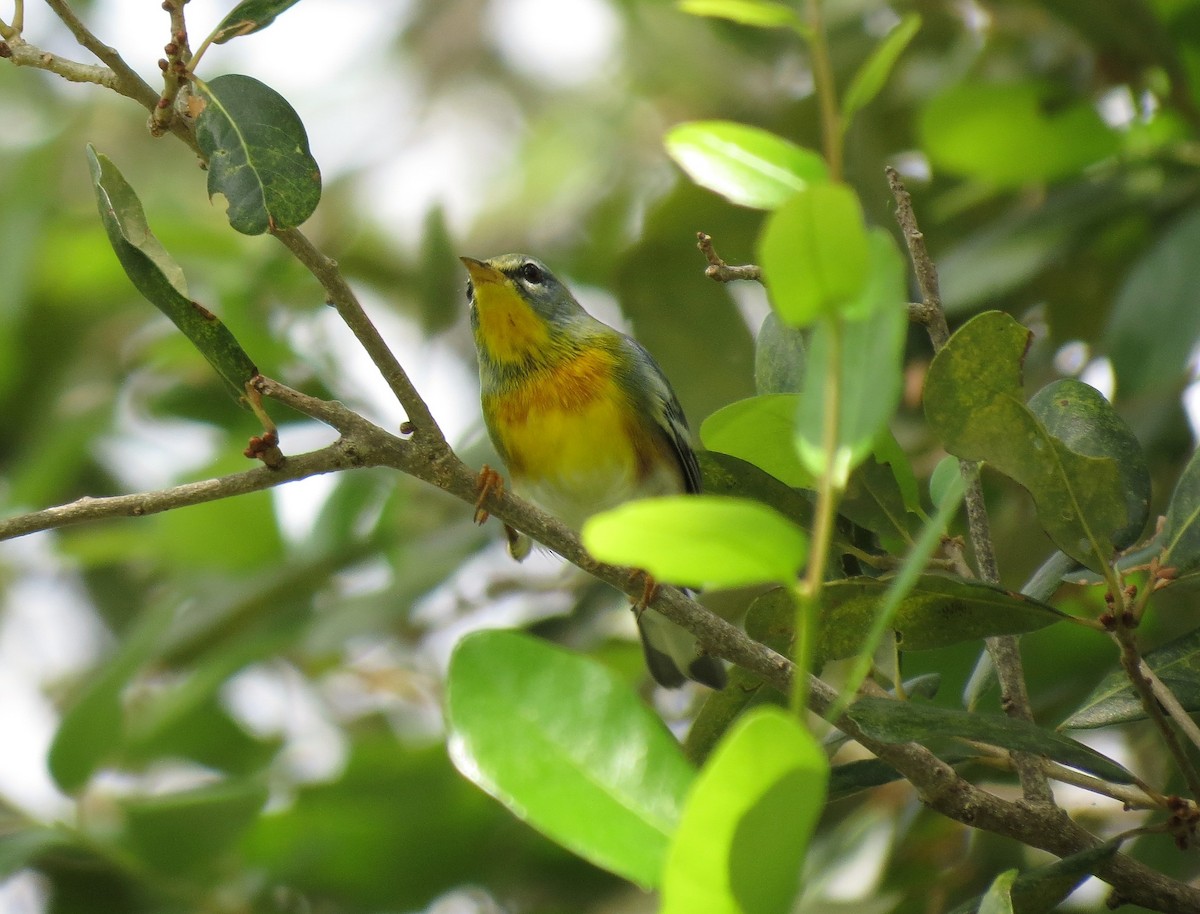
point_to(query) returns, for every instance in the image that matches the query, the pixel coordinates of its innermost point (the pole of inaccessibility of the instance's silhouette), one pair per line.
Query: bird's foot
(490, 483)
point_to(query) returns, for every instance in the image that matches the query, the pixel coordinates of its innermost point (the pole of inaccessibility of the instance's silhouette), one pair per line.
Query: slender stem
(342, 297)
(831, 118)
(1170, 703)
(1136, 669)
(829, 488)
(131, 84)
(23, 54)
(1004, 651)
(18, 22)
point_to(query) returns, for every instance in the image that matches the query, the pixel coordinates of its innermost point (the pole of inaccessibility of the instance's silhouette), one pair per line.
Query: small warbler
(584, 420)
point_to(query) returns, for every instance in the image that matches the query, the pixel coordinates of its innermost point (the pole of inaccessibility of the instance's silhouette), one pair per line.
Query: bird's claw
(490, 483)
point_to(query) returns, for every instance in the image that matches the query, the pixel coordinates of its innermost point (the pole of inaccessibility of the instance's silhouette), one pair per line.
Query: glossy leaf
(814, 253)
(92, 728)
(699, 540)
(906, 721)
(873, 74)
(248, 17)
(1114, 700)
(937, 612)
(154, 274)
(1078, 415)
(871, 347)
(258, 156)
(974, 402)
(180, 832)
(1181, 534)
(746, 165)
(748, 820)
(764, 14)
(1154, 324)
(762, 431)
(568, 748)
(1009, 136)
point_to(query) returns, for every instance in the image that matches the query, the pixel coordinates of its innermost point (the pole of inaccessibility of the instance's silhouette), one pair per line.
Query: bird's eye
(531, 274)
(470, 290)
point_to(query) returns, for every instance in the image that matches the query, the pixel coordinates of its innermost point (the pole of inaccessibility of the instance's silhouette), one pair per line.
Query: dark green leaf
(154, 274)
(248, 17)
(746, 165)
(873, 74)
(724, 474)
(974, 402)
(881, 495)
(21, 847)
(1078, 415)
(780, 354)
(568, 748)
(939, 611)
(1114, 700)
(748, 819)
(258, 155)
(905, 721)
(1181, 535)
(1041, 890)
(179, 832)
(1010, 136)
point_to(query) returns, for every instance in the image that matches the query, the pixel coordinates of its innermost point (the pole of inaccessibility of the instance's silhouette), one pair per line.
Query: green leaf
(760, 430)
(248, 17)
(974, 403)
(91, 729)
(258, 155)
(1181, 534)
(1013, 135)
(937, 612)
(905, 721)
(815, 254)
(871, 365)
(998, 898)
(881, 495)
(748, 820)
(699, 540)
(762, 14)
(1078, 415)
(724, 474)
(746, 165)
(568, 748)
(183, 832)
(873, 74)
(1160, 292)
(154, 274)
(780, 354)
(21, 847)
(1114, 701)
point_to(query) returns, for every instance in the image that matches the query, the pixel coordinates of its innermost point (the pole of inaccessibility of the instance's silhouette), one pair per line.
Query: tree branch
(23, 54)
(128, 82)
(1004, 650)
(719, 270)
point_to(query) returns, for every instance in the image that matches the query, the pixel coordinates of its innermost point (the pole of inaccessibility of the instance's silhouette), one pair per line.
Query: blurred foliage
(251, 718)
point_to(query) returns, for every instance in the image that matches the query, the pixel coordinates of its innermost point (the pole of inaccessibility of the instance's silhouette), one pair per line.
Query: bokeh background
(288, 647)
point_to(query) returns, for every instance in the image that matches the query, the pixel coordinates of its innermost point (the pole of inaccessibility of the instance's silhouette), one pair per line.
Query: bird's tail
(673, 654)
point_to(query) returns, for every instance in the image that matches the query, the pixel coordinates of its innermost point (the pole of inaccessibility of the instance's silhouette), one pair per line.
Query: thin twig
(1135, 670)
(1004, 650)
(719, 270)
(23, 54)
(1170, 703)
(129, 82)
(174, 67)
(342, 297)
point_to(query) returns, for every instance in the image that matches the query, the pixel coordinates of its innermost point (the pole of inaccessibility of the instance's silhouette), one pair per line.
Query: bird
(584, 419)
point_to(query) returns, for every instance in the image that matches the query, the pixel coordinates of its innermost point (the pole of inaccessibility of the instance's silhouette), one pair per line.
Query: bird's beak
(483, 274)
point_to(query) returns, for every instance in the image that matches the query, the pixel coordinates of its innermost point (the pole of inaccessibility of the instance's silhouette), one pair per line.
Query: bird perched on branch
(584, 420)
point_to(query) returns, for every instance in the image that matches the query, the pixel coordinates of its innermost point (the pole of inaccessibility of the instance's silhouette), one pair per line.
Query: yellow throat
(508, 328)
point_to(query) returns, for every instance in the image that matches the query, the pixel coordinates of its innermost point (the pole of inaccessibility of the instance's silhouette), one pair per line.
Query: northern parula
(584, 420)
